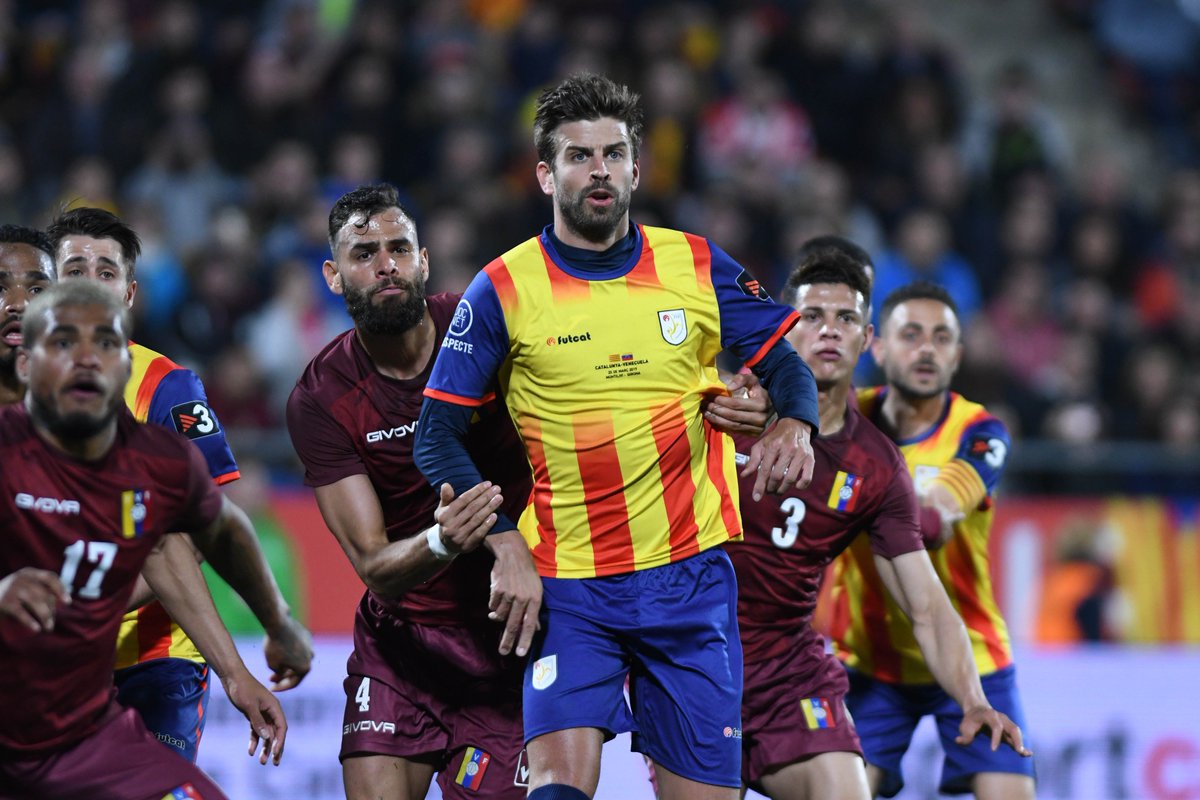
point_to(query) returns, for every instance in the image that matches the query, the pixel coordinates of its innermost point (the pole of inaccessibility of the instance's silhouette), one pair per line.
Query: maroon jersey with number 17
(860, 483)
(93, 523)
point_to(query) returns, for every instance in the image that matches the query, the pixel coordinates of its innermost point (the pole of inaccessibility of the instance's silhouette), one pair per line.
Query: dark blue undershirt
(440, 449)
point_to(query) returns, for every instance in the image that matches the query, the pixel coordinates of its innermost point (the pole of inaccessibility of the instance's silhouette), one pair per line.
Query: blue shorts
(886, 715)
(672, 630)
(171, 695)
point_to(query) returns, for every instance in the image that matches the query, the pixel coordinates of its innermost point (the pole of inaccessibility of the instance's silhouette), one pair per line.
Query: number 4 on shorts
(363, 695)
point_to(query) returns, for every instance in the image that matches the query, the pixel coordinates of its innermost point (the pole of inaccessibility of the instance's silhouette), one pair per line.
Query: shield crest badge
(673, 324)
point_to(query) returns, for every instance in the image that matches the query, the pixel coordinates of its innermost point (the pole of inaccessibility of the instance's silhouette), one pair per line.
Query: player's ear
(868, 338)
(637, 173)
(545, 176)
(22, 365)
(333, 278)
(425, 263)
(130, 293)
(877, 351)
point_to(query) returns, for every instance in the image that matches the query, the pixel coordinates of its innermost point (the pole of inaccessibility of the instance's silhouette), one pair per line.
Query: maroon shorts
(121, 760)
(437, 694)
(793, 709)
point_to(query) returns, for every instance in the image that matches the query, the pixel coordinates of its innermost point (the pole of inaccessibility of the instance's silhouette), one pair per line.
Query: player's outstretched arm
(746, 409)
(352, 512)
(232, 548)
(175, 578)
(944, 643)
(516, 592)
(31, 597)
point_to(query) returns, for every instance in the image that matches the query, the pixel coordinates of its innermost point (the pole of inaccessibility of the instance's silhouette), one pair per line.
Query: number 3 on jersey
(794, 508)
(101, 554)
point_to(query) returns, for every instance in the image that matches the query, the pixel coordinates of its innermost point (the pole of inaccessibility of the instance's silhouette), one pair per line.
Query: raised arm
(944, 643)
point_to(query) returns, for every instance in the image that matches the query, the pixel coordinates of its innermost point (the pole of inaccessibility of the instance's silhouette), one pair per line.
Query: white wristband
(433, 537)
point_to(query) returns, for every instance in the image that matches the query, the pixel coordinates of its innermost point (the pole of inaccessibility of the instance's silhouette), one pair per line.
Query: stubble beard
(910, 392)
(76, 425)
(395, 315)
(594, 224)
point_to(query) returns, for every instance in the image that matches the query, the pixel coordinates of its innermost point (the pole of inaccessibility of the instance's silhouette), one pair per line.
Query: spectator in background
(922, 251)
(1021, 318)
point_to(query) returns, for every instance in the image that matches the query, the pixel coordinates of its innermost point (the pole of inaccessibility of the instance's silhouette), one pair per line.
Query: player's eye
(36, 289)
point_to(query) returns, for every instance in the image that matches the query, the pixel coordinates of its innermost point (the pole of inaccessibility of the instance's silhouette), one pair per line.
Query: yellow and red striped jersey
(965, 451)
(161, 392)
(604, 374)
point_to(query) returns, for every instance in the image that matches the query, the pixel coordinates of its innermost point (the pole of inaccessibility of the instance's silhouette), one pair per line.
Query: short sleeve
(474, 348)
(751, 322)
(203, 503)
(181, 404)
(896, 527)
(985, 446)
(324, 447)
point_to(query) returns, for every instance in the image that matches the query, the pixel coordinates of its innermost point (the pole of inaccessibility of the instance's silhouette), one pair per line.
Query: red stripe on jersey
(564, 288)
(885, 659)
(228, 477)
(153, 632)
(544, 550)
(675, 469)
(783, 328)
(965, 580)
(702, 260)
(604, 494)
(644, 275)
(716, 473)
(1172, 592)
(159, 368)
(456, 399)
(502, 282)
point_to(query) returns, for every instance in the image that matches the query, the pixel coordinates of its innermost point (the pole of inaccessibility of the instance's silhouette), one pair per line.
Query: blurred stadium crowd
(223, 131)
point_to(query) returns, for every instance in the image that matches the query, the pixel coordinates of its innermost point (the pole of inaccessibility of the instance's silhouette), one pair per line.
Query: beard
(76, 425)
(594, 224)
(394, 315)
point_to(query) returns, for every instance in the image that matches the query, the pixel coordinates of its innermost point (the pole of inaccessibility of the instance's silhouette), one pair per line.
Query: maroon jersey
(94, 523)
(345, 418)
(860, 482)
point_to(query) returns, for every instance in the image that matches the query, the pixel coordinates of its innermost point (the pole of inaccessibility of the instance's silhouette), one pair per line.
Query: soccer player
(797, 739)
(89, 500)
(427, 689)
(602, 335)
(955, 451)
(26, 269)
(159, 670)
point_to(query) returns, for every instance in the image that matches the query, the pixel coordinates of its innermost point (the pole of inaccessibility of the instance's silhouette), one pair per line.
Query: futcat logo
(570, 338)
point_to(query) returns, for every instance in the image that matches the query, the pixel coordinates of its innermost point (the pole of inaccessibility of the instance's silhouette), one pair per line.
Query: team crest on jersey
(844, 494)
(134, 512)
(673, 324)
(545, 671)
(194, 419)
(185, 792)
(750, 286)
(474, 764)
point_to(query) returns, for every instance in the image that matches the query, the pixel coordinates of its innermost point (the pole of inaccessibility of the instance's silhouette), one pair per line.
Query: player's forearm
(234, 552)
(789, 383)
(400, 567)
(174, 577)
(142, 594)
(946, 647)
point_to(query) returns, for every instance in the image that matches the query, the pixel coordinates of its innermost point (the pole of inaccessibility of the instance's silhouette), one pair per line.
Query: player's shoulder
(869, 399)
(869, 443)
(528, 252)
(442, 307)
(968, 415)
(15, 425)
(155, 443)
(337, 363)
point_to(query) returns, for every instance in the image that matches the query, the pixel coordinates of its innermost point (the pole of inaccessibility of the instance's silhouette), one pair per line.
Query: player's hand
(940, 499)
(263, 711)
(997, 724)
(31, 597)
(466, 520)
(516, 596)
(746, 409)
(782, 459)
(289, 654)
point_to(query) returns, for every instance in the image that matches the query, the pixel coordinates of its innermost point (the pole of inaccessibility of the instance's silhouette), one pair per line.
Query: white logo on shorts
(545, 670)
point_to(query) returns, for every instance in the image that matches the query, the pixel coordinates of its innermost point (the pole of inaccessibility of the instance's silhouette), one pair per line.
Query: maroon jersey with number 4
(93, 523)
(345, 418)
(860, 483)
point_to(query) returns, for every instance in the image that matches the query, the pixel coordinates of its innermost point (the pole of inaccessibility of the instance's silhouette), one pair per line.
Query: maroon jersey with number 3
(93, 523)
(860, 483)
(346, 418)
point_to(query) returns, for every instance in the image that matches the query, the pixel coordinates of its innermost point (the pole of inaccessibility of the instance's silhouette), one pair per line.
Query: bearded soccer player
(798, 742)
(26, 270)
(427, 689)
(159, 669)
(955, 451)
(89, 499)
(602, 337)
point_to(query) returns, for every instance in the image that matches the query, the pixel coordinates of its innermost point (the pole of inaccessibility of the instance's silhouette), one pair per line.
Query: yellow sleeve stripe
(963, 482)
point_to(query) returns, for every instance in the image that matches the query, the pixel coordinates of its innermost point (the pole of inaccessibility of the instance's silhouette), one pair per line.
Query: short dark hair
(71, 293)
(20, 234)
(917, 290)
(99, 224)
(365, 200)
(585, 96)
(830, 259)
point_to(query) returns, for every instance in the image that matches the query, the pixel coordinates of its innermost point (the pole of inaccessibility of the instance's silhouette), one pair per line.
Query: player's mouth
(390, 289)
(600, 197)
(925, 370)
(10, 334)
(83, 388)
(828, 354)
